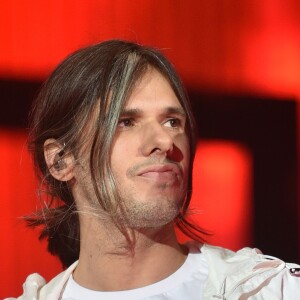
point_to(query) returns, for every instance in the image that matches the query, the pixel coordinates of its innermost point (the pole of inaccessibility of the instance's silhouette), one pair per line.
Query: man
(113, 141)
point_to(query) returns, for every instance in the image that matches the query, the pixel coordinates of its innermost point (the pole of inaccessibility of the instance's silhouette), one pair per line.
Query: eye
(173, 123)
(123, 123)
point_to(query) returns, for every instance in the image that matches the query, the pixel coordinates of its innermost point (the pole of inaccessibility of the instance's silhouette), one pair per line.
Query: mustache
(132, 171)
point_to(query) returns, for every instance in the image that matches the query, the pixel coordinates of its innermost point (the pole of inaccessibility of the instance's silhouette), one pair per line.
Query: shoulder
(31, 287)
(35, 286)
(248, 272)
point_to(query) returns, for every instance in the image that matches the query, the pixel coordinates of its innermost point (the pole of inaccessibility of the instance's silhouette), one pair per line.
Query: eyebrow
(131, 112)
(176, 110)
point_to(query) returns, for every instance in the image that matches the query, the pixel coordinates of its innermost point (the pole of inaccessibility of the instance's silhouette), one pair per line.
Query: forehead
(152, 91)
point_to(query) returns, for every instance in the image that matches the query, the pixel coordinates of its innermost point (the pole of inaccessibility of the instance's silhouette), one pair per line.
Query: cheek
(182, 142)
(122, 152)
(117, 156)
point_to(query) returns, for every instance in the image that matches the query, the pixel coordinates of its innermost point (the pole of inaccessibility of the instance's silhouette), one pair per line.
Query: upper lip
(160, 168)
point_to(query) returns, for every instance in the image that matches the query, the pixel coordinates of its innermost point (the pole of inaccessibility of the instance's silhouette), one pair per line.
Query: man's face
(150, 153)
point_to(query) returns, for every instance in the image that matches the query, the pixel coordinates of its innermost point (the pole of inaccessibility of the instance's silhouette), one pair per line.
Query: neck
(153, 255)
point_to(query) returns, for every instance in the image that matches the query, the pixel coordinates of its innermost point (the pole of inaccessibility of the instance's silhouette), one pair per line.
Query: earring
(59, 163)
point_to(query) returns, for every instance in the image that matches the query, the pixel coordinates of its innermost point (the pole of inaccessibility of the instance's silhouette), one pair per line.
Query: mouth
(161, 172)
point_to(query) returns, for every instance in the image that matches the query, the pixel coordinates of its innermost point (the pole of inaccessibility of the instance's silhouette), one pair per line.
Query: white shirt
(185, 284)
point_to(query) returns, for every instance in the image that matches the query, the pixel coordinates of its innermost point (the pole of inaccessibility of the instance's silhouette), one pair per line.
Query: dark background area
(267, 127)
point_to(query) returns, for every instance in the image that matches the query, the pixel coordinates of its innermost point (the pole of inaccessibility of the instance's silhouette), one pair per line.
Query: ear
(60, 163)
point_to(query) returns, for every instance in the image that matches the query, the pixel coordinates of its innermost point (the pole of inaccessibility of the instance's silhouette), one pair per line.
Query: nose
(156, 140)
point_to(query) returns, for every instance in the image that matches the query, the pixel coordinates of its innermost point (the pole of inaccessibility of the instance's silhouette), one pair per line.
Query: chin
(154, 216)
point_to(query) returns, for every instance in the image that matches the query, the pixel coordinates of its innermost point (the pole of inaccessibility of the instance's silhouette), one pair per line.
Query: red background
(250, 46)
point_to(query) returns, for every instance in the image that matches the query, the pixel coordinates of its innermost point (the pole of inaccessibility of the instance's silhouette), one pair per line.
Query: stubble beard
(154, 212)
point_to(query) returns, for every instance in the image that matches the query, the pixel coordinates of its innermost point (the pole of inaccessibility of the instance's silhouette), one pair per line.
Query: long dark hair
(98, 78)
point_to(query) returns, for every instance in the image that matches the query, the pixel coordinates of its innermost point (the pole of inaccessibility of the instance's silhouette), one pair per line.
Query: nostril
(156, 151)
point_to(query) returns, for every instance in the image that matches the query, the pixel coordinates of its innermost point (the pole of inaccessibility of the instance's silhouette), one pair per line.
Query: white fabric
(250, 275)
(185, 284)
